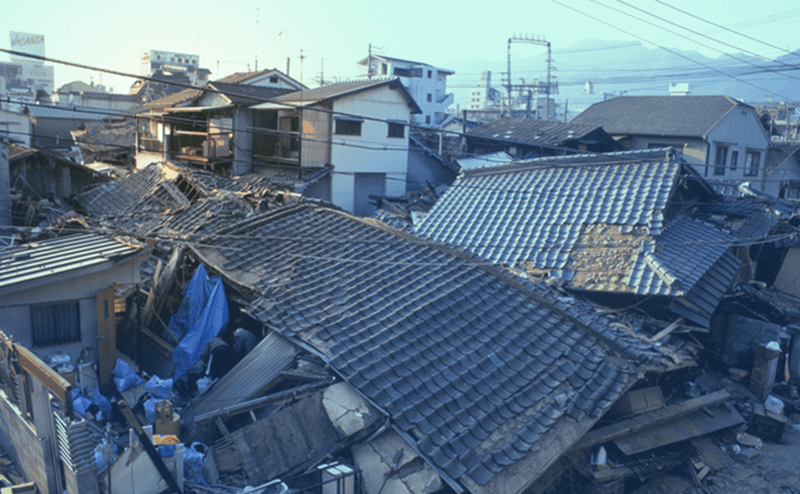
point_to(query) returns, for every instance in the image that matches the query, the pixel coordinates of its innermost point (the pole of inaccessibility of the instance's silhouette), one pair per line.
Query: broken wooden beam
(664, 332)
(649, 419)
(167, 278)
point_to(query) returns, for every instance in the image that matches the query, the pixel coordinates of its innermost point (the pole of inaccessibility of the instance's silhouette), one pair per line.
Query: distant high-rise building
(426, 84)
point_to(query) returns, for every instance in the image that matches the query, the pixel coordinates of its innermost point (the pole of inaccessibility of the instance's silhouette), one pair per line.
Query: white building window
(734, 160)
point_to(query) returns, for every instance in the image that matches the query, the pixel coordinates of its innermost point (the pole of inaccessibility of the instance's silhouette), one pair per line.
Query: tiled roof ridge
(634, 157)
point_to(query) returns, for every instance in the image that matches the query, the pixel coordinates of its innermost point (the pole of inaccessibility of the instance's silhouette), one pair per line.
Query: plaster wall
(15, 307)
(373, 151)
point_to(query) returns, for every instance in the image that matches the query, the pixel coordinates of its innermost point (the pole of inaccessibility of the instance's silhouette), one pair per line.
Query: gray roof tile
(451, 347)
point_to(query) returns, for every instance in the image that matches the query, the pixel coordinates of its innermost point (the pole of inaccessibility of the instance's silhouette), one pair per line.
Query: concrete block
(749, 454)
(347, 410)
(411, 476)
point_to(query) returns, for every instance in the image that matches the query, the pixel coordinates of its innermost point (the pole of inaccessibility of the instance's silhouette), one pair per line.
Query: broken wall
(739, 337)
(32, 454)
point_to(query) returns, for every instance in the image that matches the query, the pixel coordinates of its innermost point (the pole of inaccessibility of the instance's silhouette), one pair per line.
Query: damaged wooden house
(457, 375)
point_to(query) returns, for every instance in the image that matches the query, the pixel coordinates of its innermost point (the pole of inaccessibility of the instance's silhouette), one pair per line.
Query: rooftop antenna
(258, 11)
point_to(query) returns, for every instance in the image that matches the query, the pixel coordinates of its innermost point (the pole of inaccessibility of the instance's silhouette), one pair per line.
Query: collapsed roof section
(173, 201)
(488, 376)
(612, 222)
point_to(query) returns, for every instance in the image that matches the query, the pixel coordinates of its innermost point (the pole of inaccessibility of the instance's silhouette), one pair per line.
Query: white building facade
(426, 84)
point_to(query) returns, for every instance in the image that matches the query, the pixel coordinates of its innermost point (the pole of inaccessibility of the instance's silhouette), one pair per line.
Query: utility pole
(302, 57)
(534, 41)
(258, 11)
(369, 62)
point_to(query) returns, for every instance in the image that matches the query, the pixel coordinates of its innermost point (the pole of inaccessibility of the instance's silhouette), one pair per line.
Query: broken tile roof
(537, 132)
(596, 221)
(49, 257)
(107, 137)
(686, 116)
(533, 210)
(475, 366)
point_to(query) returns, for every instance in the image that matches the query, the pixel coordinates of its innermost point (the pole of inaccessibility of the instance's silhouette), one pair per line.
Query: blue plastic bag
(193, 464)
(150, 409)
(124, 377)
(101, 401)
(160, 388)
(81, 404)
(167, 450)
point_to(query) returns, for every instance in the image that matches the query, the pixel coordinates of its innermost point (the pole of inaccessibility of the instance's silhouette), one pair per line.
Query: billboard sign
(32, 44)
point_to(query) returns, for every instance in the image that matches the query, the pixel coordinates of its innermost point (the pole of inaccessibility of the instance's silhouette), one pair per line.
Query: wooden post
(106, 333)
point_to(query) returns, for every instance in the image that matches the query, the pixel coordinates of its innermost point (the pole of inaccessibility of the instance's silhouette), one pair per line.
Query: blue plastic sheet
(124, 377)
(202, 315)
(160, 388)
(193, 464)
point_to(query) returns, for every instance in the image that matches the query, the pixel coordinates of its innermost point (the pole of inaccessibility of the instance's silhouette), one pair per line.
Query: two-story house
(358, 128)
(426, 84)
(722, 137)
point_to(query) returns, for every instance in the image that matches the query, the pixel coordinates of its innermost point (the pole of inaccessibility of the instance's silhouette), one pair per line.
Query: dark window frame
(720, 160)
(345, 127)
(396, 130)
(734, 160)
(56, 323)
(749, 169)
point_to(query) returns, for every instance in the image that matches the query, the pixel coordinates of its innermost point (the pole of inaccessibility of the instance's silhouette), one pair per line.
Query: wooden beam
(167, 278)
(52, 380)
(664, 332)
(649, 419)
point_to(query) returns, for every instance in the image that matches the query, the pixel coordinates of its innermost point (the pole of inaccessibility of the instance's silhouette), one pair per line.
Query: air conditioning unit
(338, 478)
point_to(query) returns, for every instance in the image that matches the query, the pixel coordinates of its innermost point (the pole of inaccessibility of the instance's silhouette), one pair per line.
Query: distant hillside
(632, 68)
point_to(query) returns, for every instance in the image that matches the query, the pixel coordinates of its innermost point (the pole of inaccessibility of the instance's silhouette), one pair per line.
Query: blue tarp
(202, 315)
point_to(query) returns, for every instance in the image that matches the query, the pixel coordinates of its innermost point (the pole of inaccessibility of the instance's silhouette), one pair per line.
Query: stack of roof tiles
(472, 364)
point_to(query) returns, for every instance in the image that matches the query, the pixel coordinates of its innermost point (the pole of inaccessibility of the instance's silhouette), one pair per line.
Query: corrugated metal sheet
(250, 376)
(485, 160)
(59, 255)
(67, 112)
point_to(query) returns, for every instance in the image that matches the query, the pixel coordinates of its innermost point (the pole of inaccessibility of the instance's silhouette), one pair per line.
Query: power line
(704, 36)
(659, 46)
(731, 30)
(692, 40)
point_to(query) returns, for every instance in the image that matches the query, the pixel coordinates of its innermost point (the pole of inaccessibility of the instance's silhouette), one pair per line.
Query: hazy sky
(114, 34)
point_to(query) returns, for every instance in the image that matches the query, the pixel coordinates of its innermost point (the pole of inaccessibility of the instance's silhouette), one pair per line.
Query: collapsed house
(395, 363)
(486, 377)
(616, 223)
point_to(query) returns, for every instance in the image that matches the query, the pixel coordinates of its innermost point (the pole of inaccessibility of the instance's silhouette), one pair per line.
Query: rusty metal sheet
(696, 424)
